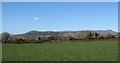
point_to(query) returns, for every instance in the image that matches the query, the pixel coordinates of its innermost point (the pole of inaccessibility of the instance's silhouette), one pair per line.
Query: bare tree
(96, 35)
(5, 37)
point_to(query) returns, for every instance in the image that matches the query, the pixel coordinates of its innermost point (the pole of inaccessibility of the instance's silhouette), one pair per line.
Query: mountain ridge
(47, 33)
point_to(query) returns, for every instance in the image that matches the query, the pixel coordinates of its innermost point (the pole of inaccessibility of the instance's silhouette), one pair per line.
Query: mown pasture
(106, 50)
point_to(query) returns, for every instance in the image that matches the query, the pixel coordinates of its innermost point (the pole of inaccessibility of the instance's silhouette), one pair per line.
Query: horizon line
(63, 30)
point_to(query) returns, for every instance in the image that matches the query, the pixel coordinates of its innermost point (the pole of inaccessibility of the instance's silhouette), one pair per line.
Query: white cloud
(36, 19)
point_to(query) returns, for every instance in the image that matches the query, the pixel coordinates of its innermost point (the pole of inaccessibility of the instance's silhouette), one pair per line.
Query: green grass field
(62, 51)
(0, 52)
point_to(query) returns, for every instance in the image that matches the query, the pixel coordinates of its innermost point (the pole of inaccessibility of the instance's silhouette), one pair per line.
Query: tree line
(7, 38)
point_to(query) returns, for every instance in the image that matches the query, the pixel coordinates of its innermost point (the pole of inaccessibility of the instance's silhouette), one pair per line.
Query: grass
(62, 51)
(0, 52)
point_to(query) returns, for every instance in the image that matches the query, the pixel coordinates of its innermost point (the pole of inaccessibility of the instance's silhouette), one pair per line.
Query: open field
(62, 51)
(0, 52)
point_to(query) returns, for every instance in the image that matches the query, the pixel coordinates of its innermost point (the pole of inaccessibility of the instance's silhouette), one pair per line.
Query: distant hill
(34, 33)
(106, 32)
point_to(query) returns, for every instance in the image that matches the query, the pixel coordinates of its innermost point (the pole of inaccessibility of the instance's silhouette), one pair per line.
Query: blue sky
(0, 17)
(59, 16)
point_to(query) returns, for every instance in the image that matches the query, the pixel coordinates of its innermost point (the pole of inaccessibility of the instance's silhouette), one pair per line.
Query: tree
(110, 36)
(5, 37)
(118, 34)
(96, 35)
(20, 40)
(90, 35)
(100, 37)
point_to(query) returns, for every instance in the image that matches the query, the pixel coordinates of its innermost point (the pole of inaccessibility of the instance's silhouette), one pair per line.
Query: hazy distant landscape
(35, 36)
